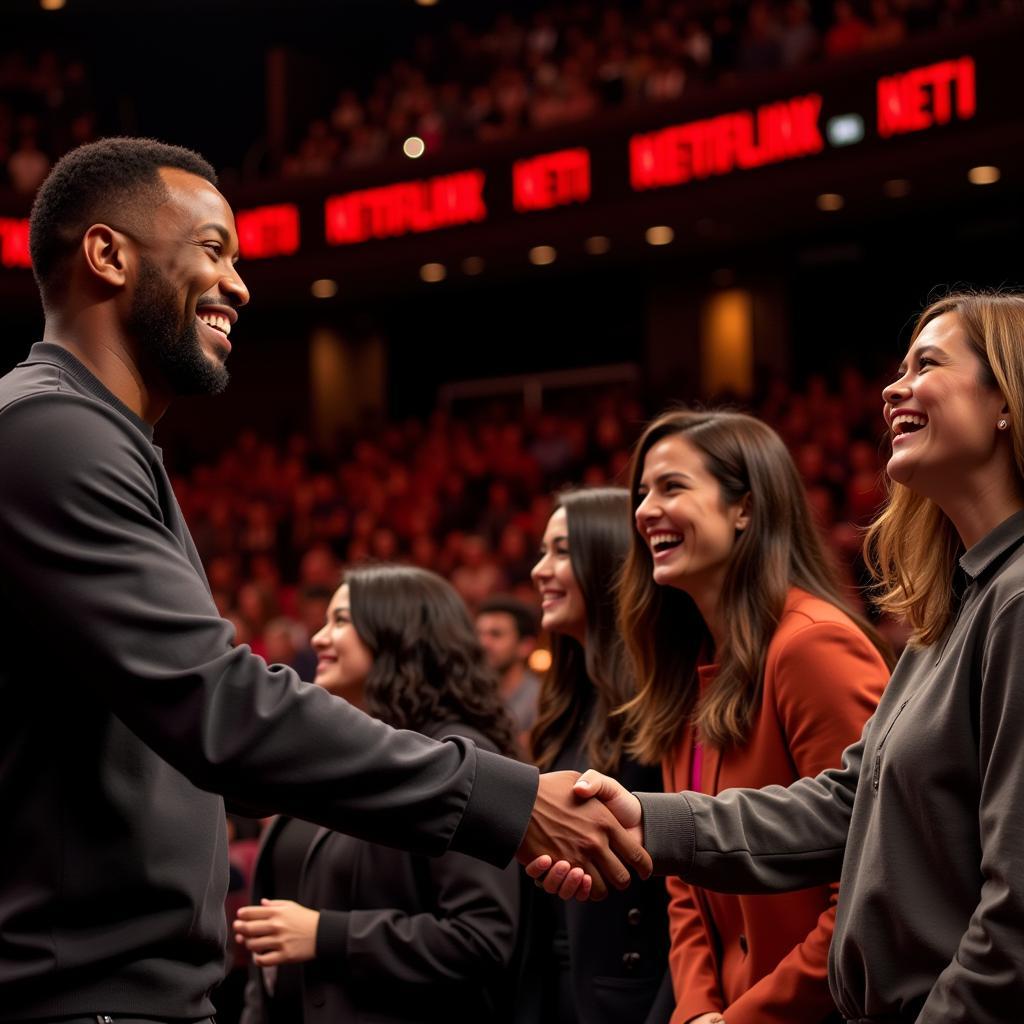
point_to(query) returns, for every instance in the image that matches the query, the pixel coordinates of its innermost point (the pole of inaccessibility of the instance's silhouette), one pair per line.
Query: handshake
(576, 845)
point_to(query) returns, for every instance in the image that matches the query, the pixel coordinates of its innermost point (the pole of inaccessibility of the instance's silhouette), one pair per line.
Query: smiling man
(125, 704)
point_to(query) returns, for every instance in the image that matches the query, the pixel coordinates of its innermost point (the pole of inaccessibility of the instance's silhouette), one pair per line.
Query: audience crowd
(524, 71)
(468, 496)
(570, 61)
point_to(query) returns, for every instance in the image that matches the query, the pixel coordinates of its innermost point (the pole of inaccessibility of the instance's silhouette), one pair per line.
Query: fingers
(272, 959)
(254, 913)
(626, 843)
(254, 929)
(583, 892)
(623, 804)
(264, 945)
(536, 868)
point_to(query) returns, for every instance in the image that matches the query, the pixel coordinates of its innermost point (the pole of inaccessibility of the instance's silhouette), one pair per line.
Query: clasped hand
(576, 845)
(277, 932)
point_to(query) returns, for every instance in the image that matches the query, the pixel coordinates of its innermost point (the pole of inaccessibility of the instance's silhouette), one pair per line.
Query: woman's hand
(277, 932)
(714, 1017)
(559, 877)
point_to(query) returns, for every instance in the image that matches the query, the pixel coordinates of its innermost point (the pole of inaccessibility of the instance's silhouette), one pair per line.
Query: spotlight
(324, 288)
(830, 202)
(660, 235)
(414, 147)
(983, 175)
(433, 272)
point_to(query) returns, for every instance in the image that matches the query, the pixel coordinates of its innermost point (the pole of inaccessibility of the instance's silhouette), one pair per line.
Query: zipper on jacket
(876, 774)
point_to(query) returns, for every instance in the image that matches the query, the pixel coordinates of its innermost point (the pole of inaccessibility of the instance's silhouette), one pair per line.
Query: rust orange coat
(763, 959)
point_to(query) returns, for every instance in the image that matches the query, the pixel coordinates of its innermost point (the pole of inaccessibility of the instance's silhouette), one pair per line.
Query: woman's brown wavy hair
(665, 633)
(912, 548)
(428, 666)
(591, 681)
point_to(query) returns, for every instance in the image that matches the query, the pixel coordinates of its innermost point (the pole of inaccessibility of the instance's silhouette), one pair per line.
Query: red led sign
(268, 231)
(410, 206)
(720, 145)
(924, 97)
(553, 179)
(14, 243)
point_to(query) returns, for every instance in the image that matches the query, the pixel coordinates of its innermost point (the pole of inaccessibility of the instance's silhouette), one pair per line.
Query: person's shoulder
(803, 610)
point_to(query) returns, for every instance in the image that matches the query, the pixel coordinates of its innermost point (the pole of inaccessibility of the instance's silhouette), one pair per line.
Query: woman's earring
(1002, 424)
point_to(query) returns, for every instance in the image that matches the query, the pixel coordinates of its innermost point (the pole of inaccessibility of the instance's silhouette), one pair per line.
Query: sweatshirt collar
(48, 352)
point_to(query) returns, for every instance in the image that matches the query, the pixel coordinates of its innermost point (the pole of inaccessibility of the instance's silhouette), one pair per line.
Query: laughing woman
(592, 963)
(924, 816)
(363, 932)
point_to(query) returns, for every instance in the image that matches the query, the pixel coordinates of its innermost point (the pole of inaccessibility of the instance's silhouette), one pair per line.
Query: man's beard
(175, 349)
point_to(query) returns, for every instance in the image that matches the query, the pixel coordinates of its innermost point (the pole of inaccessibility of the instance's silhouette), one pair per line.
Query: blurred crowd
(468, 496)
(574, 60)
(46, 108)
(526, 70)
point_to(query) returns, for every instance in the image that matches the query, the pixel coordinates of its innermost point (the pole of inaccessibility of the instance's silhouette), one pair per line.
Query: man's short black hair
(94, 184)
(524, 616)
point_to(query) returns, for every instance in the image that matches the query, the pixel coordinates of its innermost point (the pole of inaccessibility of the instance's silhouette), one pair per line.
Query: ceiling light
(433, 272)
(983, 175)
(830, 202)
(414, 147)
(324, 288)
(542, 255)
(896, 188)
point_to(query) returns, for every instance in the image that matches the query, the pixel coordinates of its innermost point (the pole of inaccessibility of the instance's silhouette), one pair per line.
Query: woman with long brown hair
(924, 816)
(750, 672)
(595, 963)
(357, 931)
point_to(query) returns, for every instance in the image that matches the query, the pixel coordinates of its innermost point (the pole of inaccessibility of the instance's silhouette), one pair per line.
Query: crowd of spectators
(468, 497)
(572, 60)
(46, 108)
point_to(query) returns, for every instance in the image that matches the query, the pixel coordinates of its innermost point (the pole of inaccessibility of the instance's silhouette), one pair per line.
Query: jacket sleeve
(84, 546)
(469, 933)
(986, 975)
(775, 839)
(818, 722)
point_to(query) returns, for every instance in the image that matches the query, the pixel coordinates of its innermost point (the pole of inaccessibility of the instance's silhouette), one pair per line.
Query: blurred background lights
(324, 288)
(896, 188)
(845, 130)
(830, 202)
(542, 255)
(986, 175)
(473, 265)
(540, 661)
(433, 272)
(414, 147)
(597, 245)
(661, 234)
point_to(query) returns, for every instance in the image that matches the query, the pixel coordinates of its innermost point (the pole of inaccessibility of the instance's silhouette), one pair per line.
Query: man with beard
(113, 861)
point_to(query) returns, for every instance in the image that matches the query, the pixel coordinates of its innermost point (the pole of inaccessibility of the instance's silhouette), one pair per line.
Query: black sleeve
(84, 546)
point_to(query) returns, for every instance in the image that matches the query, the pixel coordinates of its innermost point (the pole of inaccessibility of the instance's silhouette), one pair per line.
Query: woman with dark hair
(733, 618)
(596, 963)
(347, 930)
(924, 816)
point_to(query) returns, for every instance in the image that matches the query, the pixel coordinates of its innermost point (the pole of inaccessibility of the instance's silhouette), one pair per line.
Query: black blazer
(402, 938)
(618, 948)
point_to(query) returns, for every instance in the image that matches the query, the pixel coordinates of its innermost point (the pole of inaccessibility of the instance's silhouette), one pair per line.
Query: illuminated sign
(411, 206)
(553, 179)
(923, 97)
(14, 243)
(268, 231)
(719, 145)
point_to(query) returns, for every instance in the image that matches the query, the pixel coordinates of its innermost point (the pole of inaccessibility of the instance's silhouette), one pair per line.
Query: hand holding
(560, 877)
(582, 832)
(277, 932)
(714, 1017)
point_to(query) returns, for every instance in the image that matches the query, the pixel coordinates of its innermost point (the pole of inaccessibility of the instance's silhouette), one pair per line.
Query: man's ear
(743, 518)
(106, 256)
